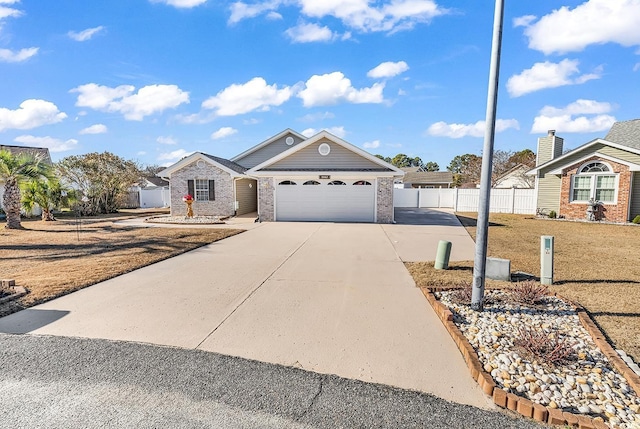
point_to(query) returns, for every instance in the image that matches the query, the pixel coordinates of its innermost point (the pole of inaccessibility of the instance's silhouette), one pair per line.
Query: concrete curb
(521, 405)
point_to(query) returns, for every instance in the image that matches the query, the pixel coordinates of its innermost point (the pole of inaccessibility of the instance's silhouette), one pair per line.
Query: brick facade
(618, 212)
(223, 205)
(384, 208)
(266, 208)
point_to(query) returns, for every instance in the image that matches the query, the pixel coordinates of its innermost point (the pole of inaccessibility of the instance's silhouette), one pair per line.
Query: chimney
(549, 147)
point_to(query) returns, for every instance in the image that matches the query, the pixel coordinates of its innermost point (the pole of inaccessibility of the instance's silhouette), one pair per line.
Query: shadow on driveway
(423, 216)
(30, 319)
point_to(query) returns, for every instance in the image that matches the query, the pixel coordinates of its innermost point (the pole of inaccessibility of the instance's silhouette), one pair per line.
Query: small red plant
(547, 347)
(529, 292)
(187, 198)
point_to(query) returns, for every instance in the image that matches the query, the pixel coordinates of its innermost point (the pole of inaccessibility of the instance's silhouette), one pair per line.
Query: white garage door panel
(338, 203)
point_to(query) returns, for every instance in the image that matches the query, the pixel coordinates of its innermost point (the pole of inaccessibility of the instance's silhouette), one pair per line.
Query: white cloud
(9, 12)
(336, 131)
(30, 114)
(371, 145)
(332, 88)
(548, 75)
(9, 56)
(223, 132)
(319, 116)
(524, 21)
(388, 16)
(241, 10)
(572, 30)
(578, 107)
(568, 124)
(173, 156)
(244, 98)
(181, 4)
(274, 16)
(307, 33)
(94, 129)
(84, 35)
(563, 119)
(134, 106)
(636, 67)
(53, 144)
(166, 140)
(252, 121)
(457, 131)
(388, 69)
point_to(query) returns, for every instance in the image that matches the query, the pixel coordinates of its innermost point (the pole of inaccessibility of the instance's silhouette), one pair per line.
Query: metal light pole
(482, 230)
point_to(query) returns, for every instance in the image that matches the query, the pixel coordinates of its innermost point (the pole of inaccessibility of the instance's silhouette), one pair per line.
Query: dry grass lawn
(55, 258)
(596, 265)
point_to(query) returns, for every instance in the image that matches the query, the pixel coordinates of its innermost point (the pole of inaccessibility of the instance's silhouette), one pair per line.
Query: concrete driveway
(329, 298)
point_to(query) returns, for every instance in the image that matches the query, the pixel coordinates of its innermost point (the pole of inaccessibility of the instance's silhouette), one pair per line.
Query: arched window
(362, 183)
(287, 182)
(336, 182)
(594, 180)
(595, 167)
(311, 182)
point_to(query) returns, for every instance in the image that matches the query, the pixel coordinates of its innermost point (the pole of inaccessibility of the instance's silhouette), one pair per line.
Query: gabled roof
(514, 169)
(224, 164)
(429, 177)
(327, 135)
(267, 142)
(623, 135)
(36, 151)
(626, 133)
(227, 163)
(157, 181)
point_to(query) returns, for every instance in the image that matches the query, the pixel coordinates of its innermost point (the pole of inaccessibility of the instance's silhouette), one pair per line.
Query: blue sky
(155, 80)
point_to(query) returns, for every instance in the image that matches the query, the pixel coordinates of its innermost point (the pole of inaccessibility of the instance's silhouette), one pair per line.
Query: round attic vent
(289, 141)
(200, 163)
(324, 149)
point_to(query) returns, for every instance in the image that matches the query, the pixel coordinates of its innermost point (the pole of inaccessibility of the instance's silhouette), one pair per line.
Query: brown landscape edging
(519, 404)
(18, 291)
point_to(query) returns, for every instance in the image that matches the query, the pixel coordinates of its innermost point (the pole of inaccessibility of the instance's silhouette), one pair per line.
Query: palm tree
(14, 170)
(47, 194)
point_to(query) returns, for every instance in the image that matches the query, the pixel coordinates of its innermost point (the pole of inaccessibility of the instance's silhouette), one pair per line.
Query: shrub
(553, 214)
(529, 292)
(545, 347)
(462, 294)
(636, 219)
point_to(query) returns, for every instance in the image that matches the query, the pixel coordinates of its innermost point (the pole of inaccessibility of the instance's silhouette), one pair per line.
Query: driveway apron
(329, 298)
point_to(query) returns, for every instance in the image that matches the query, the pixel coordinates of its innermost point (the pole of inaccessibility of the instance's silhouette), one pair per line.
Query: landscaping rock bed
(186, 220)
(588, 384)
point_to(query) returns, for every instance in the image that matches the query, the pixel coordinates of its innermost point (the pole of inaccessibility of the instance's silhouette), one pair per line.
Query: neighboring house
(414, 178)
(288, 177)
(516, 177)
(152, 192)
(606, 170)
(36, 151)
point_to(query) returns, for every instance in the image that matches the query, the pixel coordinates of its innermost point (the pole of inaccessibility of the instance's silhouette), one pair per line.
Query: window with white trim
(594, 180)
(202, 190)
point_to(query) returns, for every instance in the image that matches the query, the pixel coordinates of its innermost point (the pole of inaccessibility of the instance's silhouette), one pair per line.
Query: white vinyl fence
(514, 200)
(155, 197)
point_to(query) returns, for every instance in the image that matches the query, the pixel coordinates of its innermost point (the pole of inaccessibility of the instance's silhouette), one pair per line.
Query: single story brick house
(288, 177)
(605, 170)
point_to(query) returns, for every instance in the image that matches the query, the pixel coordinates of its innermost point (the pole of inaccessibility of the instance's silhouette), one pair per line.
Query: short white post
(546, 259)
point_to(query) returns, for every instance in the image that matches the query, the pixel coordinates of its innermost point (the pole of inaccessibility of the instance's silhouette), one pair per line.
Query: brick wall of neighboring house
(265, 199)
(223, 205)
(618, 212)
(384, 207)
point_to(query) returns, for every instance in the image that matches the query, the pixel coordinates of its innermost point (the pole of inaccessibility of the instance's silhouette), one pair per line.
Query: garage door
(337, 200)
